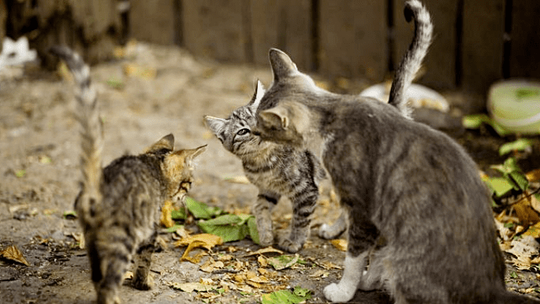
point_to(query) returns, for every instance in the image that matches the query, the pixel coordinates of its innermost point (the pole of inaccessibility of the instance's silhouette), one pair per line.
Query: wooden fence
(476, 41)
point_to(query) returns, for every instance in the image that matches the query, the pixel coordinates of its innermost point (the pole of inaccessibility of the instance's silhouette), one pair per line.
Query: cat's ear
(281, 63)
(275, 118)
(287, 115)
(166, 142)
(257, 96)
(216, 125)
(190, 154)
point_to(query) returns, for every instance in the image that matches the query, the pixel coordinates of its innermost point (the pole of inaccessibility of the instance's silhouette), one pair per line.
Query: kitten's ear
(257, 96)
(277, 117)
(281, 63)
(166, 142)
(216, 125)
(191, 154)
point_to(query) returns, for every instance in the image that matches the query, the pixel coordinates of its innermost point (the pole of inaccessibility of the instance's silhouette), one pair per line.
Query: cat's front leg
(262, 211)
(362, 238)
(352, 274)
(304, 203)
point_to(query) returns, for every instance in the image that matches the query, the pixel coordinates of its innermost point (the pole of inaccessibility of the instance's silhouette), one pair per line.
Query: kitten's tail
(411, 62)
(87, 113)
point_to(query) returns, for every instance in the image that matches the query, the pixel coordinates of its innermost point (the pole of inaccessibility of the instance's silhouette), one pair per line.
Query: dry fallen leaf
(207, 241)
(14, 254)
(238, 179)
(166, 210)
(533, 176)
(269, 249)
(339, 244)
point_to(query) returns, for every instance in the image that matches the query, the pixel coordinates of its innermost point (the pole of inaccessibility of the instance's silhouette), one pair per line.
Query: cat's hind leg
(143, 279)
(329, 232)
(304, 202)
(262, 211)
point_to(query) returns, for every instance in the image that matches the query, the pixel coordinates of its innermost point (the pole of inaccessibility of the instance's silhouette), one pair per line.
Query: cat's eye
(242, 132)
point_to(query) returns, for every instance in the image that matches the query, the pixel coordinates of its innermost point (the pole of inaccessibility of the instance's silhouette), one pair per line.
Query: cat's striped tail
(412, 61)
(87, 113)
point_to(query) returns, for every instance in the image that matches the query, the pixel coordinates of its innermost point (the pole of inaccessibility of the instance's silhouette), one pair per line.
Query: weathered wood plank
(215, 29)
(153, 21)
(440, 63)
(264, 29)
(353, 38)
(524, 55)
(482, 44)
(282, 24)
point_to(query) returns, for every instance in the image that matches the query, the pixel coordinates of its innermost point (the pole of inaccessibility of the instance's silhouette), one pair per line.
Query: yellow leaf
(339, 244)
(269, 249)
(533, 176)
(207, 241)
(166, 219)
(525, 213)
(14, 254)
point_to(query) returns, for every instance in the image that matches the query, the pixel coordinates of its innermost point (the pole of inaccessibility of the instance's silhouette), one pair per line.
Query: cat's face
(235, 132)
(177, 166)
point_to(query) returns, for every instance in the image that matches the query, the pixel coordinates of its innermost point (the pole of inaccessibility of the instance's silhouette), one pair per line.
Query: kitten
(119, 206)
(277, 170)
(415, 202)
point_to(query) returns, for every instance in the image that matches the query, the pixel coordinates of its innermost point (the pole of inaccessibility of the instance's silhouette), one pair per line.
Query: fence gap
(507, 38)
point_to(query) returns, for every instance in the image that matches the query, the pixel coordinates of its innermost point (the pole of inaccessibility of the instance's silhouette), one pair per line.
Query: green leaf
(253, 232)
(70, 215)
(520, 180)
(20, 173)
(518, 145)
(287, 297)
(201, 210)
(229, 227)
(500, 185)
(283, 261)
(178, 214)
(475, 121)
(115, 83)
(173, 228)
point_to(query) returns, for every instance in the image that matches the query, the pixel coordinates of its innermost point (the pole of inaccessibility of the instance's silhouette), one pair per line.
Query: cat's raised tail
(87, 113)
(412, 60)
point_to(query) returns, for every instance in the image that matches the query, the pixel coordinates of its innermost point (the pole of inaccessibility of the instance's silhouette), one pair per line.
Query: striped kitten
(417, 207)
(276, 170)
(119, 206)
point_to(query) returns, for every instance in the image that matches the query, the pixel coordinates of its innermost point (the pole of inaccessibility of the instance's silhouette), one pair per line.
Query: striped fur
(412, 60)
(276, 170)
(119, 206)
(415, 203)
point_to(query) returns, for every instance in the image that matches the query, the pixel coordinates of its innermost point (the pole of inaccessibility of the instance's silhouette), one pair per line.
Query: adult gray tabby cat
(279, 170)
(417, 207)
(119, 206)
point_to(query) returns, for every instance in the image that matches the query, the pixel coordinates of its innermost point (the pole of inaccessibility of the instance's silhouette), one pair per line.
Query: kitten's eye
(242, 132)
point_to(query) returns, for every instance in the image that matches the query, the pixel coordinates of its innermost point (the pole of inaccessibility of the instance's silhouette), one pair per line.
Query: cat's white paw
(336, 293)
(325, 232)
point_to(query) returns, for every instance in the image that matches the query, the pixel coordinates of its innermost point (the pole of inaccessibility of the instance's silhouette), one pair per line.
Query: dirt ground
(38, 168)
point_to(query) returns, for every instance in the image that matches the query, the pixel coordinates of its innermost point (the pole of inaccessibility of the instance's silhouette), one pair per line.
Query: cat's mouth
(181, 194)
